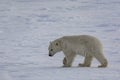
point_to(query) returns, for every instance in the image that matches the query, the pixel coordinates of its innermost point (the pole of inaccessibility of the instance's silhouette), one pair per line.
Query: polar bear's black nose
(50, 55)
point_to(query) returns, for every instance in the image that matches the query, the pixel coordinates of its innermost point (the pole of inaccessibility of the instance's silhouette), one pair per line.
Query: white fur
(85, 45)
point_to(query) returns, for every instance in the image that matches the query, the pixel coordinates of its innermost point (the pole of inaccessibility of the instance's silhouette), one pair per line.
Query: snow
(27, 27)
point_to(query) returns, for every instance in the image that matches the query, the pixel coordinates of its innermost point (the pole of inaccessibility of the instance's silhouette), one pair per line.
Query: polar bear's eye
(56, 44)
(51, 50)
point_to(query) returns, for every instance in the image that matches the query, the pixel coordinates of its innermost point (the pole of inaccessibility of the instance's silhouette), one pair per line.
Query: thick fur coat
(84, 45)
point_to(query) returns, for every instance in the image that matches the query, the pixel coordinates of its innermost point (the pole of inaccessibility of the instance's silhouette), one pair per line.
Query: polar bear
(85, 45)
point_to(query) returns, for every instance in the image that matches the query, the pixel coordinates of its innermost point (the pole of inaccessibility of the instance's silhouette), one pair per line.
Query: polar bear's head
(54, 47)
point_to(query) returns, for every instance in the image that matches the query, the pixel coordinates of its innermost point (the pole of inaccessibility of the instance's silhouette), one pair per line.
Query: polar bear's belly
(80, 51)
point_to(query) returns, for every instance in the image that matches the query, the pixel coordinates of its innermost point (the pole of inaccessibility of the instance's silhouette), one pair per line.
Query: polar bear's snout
(54, 47)
(50, 54)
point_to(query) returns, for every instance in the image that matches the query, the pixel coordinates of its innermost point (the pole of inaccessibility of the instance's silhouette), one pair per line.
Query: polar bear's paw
(64, 61)
(102, 66)
(66, 66)
(83, 65)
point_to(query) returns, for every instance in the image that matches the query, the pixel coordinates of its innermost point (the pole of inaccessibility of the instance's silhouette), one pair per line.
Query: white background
(27, 27)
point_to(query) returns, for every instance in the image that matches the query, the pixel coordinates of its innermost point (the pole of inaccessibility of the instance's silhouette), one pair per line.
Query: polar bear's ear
(50, 42)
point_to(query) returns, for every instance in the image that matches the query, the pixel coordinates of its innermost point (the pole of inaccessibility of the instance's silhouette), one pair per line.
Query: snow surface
(27, 27)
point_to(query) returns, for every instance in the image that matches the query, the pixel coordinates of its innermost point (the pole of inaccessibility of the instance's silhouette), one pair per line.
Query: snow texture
(27, 27)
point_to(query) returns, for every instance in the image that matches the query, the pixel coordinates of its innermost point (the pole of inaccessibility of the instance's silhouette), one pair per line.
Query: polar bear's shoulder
(71, 39)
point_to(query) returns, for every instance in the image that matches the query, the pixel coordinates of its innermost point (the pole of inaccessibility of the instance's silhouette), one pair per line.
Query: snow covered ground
(27, 26)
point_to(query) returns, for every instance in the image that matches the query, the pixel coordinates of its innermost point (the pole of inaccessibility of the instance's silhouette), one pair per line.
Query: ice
(27, 27)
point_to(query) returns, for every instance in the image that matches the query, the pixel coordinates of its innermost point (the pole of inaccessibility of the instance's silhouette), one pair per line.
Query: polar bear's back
(79, 38)
(84, 41)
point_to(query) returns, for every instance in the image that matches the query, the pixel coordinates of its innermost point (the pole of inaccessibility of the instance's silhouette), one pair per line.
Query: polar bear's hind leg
(101, 58)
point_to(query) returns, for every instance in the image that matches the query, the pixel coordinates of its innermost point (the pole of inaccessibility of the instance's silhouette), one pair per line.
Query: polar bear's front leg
(64, 61)
(67, 61)
(87, 61)
(65, 64)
